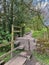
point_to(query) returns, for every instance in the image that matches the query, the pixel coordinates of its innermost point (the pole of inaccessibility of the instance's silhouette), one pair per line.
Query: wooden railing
(1, 45)
(12, 40)
(6, 54)
(10, 43)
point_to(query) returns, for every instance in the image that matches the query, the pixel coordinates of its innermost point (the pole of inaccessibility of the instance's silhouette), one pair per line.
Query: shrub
(27, 30)
(39, 34)
(5, 37)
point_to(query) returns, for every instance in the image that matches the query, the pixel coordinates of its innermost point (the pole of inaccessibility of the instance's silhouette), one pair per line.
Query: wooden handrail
(12, 43)
(1, 45)
(6, 54)
(17, 26)
(17, 31)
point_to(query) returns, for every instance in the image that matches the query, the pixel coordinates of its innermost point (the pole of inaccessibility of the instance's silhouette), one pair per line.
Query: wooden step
(17, 42)
(25, 54)
(17, 61)
(21, 47)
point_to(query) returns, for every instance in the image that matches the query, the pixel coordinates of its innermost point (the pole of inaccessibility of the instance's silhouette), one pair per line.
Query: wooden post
(29, 45)
(20, 32)
(12, 41)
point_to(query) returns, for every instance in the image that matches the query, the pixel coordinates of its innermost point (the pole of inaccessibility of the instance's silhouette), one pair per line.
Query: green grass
(39, 34)
(43, 58)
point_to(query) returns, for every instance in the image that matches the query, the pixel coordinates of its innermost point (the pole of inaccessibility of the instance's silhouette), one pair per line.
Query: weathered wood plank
(15, 42)
(17, 61)
(21, 47)
(4, 55)
(17, 26)
(2, 62)
(25, 54)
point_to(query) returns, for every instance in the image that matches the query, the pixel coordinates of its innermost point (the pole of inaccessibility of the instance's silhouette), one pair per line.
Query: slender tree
(5, 19)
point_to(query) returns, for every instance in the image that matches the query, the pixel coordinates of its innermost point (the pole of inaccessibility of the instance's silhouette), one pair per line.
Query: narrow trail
(24, 40)
(32, 47)
(22, 58)
(32, 41)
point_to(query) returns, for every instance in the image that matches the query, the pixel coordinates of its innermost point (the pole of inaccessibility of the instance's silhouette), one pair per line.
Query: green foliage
(4, 35)
(0, 39)
(4, 41)
(8, 36)
(5, 48)
(27, 30)
(39, 34)
(44, 58)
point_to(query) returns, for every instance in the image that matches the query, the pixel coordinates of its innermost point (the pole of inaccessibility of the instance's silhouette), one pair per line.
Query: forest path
(28, 39)
(24, 40)
(23, 58)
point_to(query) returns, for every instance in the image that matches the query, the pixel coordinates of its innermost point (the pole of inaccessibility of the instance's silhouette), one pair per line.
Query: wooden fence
(6, 54)
(10, 43)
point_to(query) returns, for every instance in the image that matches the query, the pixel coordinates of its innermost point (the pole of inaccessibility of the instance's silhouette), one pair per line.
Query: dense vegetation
(42, 58)
(20, 13)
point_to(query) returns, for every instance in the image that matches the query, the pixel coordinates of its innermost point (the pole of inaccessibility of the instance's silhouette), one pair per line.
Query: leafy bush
(8, 36)
(4, 35)
(39, 34)
(27, 30)
(0, 39)
(5, 48)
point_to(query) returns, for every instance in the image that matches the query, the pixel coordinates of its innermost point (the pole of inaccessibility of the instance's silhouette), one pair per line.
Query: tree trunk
(11, 21)
(5, 21)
